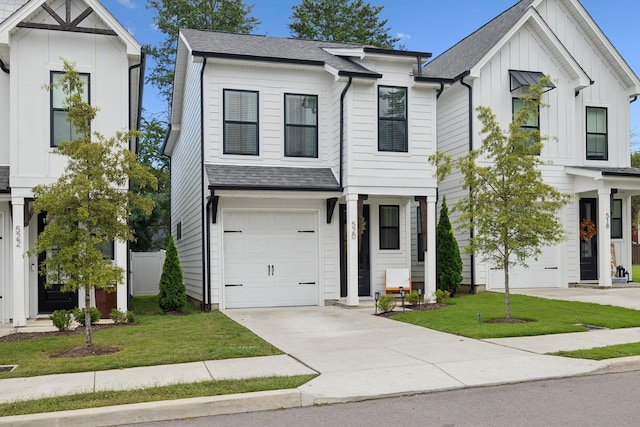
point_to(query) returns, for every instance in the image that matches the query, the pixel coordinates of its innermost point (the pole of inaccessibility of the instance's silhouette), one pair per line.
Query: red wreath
(587, 230)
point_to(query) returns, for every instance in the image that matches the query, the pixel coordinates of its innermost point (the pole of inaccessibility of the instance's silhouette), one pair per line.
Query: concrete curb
(162, 410)
(623, 364)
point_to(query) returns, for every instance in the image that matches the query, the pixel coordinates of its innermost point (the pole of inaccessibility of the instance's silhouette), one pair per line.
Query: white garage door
(543, 273)
(270, 259)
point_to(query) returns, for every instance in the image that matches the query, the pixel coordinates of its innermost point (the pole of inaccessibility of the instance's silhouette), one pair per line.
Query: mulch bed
(421, 307)
(505, 320)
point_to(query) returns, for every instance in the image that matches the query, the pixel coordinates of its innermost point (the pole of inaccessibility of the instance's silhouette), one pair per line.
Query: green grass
(178, 391)
(153, 340)
(635, 272)
(601, 353)
(544, 316)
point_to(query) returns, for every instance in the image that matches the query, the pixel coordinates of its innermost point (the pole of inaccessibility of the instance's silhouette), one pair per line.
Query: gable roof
(7, 7)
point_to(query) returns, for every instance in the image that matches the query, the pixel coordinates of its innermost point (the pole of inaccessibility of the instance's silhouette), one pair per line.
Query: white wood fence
(146, 268)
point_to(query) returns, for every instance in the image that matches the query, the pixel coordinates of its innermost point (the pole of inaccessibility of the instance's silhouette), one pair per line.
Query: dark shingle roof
(469, 51)
(271, 178)
(4, 179)
(255, 47)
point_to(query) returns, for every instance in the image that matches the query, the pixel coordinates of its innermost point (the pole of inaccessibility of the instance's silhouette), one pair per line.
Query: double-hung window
(301, 125)
(597, 133)
(392, 119)
(61, 128)
(533, 124)
(616, 219)
(389, 227)
(240, 122)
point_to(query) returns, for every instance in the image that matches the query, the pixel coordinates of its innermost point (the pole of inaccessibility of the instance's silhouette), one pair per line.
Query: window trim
(617, 219)
(302, 126)
(53, 110)
(405, 120)
(587, 133)
(225, 150)
(382, 227)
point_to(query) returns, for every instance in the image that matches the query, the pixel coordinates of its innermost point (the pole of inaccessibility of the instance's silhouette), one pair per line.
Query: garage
(543, 273)
(270, 258)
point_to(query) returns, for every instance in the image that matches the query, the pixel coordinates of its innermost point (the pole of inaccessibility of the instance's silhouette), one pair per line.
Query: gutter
(342, 95)
(206, 281)
(3, 67)
(634, 99)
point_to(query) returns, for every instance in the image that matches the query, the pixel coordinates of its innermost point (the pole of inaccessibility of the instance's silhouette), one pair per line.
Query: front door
(52, 298)
(364, 257)
(588, 240)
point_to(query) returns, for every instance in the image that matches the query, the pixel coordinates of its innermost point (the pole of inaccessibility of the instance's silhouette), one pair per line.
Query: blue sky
(423, 25)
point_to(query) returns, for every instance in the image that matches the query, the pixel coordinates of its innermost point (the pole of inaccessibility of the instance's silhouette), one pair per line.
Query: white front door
(270, 259)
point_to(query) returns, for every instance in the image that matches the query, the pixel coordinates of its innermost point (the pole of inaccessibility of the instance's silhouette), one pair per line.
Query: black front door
(52, 298)
(364, 258)
(588, 241)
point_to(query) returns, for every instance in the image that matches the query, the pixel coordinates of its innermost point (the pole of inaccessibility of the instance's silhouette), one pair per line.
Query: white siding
(4, 118)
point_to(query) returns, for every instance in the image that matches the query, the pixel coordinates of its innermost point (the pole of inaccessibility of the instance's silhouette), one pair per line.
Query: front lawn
(153, 340)
(470, 315)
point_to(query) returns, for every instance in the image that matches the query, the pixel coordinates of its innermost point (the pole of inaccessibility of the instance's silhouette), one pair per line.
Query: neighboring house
(35, 36)
(587, 120)
(297, 167)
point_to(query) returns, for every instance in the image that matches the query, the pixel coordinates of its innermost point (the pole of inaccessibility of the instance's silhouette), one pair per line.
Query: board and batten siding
(187, 194)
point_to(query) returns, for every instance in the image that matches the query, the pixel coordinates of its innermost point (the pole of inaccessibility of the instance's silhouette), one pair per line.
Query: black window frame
(53, 110)
(605, 155)
(383, 229)
(179, 231)
(616, 221)
(527, 127)
(419, 231)
(225, 148)
(404, 121)
(287, 126)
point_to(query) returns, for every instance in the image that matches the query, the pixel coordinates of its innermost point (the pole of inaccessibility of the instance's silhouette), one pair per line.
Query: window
(532, 125)
(240, 122)
(596, 133)
(616, 219)
(392, 119)
(61, 128)
(179, 231)
(389, 227)
(419, 245)
(108, 250)
(300, 125)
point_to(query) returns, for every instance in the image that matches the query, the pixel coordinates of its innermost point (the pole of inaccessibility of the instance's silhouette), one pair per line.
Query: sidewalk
(358, 356)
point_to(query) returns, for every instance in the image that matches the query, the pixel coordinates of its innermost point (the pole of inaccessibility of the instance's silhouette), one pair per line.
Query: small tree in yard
(448, 261)
(173, 296)
(511, 209)
(88, 206)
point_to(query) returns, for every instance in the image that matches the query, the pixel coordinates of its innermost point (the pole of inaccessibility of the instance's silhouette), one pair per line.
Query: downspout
(342, 95)
(206, 281)
(471, 233)
(634, 99)
(208, 237)
(3, 67)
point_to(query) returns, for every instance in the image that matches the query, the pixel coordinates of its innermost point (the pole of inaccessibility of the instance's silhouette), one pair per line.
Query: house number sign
(354, 235)
(18, 236)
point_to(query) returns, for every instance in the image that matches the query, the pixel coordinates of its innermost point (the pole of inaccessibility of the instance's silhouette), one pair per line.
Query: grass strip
(471, 316)
(171, 392)
(602, 353)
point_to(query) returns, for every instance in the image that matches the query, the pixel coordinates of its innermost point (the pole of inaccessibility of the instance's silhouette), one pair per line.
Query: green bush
(173, 296)
(413, 298)
(386, 303)
(442, 296)
(79, 313)
(130, 318)
(448, 261)
(118, 316)
(61, 319)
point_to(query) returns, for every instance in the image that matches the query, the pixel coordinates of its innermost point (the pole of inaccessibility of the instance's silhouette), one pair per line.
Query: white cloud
(127, 3)
(403, 36)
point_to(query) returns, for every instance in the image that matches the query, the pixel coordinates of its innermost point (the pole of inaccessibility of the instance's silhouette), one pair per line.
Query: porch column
(353, 235)
(19, 278)
(604, 238)
(430, 251)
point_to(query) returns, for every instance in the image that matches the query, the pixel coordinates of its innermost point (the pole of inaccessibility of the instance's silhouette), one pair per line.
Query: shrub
(173, 296)
(412, 298)
(386, 303)
(130, 318)
(61, 319)
(118, 316)
(94, 313)
(442, 296)
(448, 261)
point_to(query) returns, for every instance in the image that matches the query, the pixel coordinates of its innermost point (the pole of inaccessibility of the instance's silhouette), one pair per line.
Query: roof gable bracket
(67, 24)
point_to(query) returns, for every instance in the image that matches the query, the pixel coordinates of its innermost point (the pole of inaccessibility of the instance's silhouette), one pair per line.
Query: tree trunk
(507, 304)
(87, 317)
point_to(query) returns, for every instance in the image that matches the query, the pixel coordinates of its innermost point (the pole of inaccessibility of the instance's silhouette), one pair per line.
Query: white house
(35, 36)
(296, 167)
(587, 121)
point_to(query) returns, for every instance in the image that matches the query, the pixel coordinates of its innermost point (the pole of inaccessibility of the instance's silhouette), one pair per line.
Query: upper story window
(389, 227)
(392, 119)
(61, 128)
(533, 124)
(240, 122)
(616, 219)
(300, 125)
(597, 137)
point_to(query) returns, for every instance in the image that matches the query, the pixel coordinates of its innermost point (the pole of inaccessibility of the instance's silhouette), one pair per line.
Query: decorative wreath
(587, 229)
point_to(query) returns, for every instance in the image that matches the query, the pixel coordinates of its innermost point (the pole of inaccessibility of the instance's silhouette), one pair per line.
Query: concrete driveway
(361, 356)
